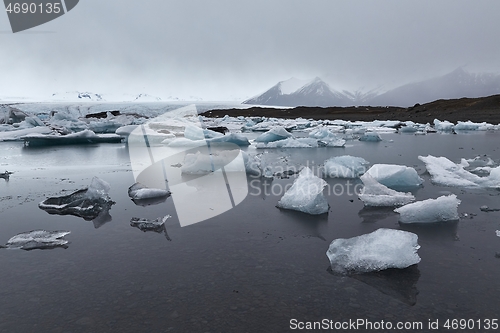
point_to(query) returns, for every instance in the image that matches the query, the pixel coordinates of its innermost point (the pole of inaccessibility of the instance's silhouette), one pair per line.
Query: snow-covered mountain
(294, 92)
(456, 84)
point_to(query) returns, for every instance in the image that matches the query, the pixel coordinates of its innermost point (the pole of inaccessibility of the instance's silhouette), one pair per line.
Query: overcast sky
(217, 49)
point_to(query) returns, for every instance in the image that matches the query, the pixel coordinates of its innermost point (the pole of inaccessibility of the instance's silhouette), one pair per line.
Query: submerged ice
(139, 191)
(376, 251)
(444, 208)
(306, 194)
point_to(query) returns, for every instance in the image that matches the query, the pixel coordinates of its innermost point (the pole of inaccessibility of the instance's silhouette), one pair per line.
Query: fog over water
(219, 50)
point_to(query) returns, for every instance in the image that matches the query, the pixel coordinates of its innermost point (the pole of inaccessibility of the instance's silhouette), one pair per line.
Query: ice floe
(444, 126)
(345, 166)
(376, 194)
(88, 203)
(203, 163)
(395, 176)
(306, 194)
(38, 239)
(139, 191)
(445, 172)
(498, 233)
(376, 251)
(83, 137)
(444, 208)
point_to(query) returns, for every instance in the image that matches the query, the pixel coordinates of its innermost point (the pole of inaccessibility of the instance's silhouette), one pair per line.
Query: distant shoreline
(483, 109)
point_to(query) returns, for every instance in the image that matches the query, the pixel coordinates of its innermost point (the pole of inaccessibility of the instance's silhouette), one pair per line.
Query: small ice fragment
(139, 191)
(345, 167)
(498, 233)
(444, 208)
(156, 225)
(376, 251)
(376, 194)
(306, 194)
(488, 209)
(201, 163)
(394, 176)
(38, 239)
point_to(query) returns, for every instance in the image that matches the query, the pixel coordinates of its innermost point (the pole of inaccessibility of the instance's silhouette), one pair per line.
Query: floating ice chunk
(88, 203)
(274, 134)
(234, 138)
(290, 143)
(125, 131)
(498, 233)
(139, 191)
(157, 225)
(395, 176)
(445, 172)
(306, 194)
(444, 208)
(488, 209)
(83, 137)
(371, 137)
(376, 194)
(183, 142)
(444, 126)
(376, 251)
(15, 134)
(470, 126)
(345, 167)
(252, 164)
(38, 239)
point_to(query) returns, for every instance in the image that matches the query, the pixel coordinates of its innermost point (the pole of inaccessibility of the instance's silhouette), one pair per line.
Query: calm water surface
(252, 269)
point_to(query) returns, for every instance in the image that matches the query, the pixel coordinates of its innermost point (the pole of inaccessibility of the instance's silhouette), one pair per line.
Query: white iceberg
(445, 172)
(274, 134)
(376, 251)
(471, 126)
(306, 194)
(444, 208)
(233, 138)
(345, 166)
(139, 191)
(394, 176)
(38, 239)
(444, 126)
(378, 195)
(498, 233)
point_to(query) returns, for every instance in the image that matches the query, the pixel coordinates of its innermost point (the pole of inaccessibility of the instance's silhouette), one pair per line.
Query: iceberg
(306, 194)
(445, 172)
(345, 166)
(88, 203)
(290, 143)
(139, 191)
(470, 126)
(157, 225)
(274, 134)
(233, 138)
(370, 137)
(38, 239)
(395, 176)
(444, 126)
(376, 251)
(444, 208)
(498, 233)
(83, 137)
(376, 194)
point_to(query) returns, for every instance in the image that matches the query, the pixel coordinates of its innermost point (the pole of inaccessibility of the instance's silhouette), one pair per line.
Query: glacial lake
(251, 269)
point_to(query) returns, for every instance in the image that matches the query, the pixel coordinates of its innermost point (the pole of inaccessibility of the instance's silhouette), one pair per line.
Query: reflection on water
(374, 214)
(435, 232)
(400, 284)
(310, 225)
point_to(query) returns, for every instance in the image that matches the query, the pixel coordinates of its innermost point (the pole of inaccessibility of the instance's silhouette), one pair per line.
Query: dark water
(252, 269)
